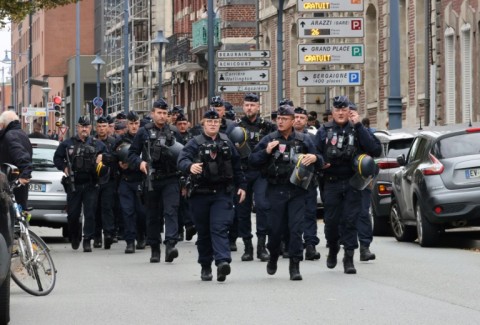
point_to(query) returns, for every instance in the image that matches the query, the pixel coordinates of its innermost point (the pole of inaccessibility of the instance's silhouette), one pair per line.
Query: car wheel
(428, 234)
(401, 232)
(379, 225)
(5, 300)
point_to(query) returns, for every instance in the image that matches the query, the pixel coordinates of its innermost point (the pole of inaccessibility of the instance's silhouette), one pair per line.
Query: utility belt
(159, 175)
(333, 178)
(213, 189)
(279, 180)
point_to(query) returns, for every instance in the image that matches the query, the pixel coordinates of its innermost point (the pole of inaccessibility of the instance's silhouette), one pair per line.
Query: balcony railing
(200, 34)
(178, 49)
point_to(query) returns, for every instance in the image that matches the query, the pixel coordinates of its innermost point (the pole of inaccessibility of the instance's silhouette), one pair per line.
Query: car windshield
(398, 147)
(449, 147)
(43, 157)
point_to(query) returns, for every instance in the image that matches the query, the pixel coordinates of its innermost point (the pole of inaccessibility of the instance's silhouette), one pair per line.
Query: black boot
(223, 269)
(107, 241)
(171, 252)
(311, 253)
(365, 254)
(190, 231)
(233, 244)
(206, 274)
(155, 254)
(87, 246)
(272, 264)
(248, 255)
(97, 242)
(284, 249)
(348, 266)
(294, 269)
(141, 244)
(332, 255)
(262, 253)
(130, 248)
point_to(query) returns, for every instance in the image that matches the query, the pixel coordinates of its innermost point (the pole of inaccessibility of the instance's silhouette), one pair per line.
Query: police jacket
(108, 159)
(221, 162)
(340, 144)
(82, 156)
(16, 149)
(152, 143)
(130, 174)
(278, 166)
(183, 138)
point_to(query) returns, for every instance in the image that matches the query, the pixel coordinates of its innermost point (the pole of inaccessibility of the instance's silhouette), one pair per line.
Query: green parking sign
(357, 50)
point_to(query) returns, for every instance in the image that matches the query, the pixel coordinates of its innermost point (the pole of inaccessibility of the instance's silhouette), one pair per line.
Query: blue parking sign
(354, 77)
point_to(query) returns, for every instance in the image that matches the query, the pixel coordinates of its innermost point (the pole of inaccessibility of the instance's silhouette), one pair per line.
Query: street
(406, 284)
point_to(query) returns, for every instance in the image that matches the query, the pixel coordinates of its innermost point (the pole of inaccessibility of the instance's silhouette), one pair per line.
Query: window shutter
(449, 76)
(466, 73)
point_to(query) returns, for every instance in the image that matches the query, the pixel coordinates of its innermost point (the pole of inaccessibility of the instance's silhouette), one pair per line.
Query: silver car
(46, 194)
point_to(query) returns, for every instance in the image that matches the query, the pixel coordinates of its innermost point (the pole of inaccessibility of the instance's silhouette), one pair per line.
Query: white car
(46, 194)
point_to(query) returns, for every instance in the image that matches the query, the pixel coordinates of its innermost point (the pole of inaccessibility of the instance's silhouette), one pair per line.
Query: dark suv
(438, 185)
(6, 232)
(394, 143)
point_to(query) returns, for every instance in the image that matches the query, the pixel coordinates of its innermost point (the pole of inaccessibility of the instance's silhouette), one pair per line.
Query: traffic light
(57, 101)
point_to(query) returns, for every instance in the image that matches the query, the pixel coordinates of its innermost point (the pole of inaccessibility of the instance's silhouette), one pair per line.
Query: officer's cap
(340, 101)
(286, 101)
(120, 125)
(133, 116)
(274, 114)
(83, 121)
(228, 105)
(121, 116)
(102, 120)
(251, 97)
(300, 110)
(286, 110)
(161, 103)
(352, 106)
(211, 114)
(177, 109)
(181, 118)
(216, 101)
(110, 119)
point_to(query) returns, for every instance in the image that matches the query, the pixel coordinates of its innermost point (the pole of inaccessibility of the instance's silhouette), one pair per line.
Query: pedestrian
(287, 159)
(16, 149)
(152, 153)
(80, 158)
(339, 141)
(213, 164)
(37, 132)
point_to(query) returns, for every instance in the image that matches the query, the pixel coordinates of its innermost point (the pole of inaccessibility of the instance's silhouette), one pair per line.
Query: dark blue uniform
(212, 197)
(82, 156)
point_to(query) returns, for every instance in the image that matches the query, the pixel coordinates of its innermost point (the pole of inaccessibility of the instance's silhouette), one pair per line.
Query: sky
(5, 42)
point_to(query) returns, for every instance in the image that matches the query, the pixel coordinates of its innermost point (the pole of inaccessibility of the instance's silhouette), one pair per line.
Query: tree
(16, 10)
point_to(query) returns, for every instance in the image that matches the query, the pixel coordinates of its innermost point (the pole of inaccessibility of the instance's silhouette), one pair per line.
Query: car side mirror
(11, 171)
(401, 160)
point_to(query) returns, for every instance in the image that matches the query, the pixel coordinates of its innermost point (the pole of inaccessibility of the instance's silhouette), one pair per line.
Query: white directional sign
(258, 54)
(330, 53)
(242, 88)
(330, 27)
(329, 6)
(329, 78)
(229, 64)
(34, 111)
(243, 76)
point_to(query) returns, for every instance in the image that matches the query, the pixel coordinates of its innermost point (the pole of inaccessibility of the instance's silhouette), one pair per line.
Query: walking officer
(213, 164)
(155, 142)
(287, 158)
(130, 190)
(80, 158)
(340, 141)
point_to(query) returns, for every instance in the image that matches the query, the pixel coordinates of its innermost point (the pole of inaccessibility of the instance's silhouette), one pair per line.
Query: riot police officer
(218, 104)
(255, 128)
(130, 189)
(339, 141)
(214, 166)
(80, 158)
(287, 158)
(154, 143)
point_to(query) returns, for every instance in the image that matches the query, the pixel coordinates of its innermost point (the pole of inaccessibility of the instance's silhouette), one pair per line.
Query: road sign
(330, 27)
(329, 78)
(242, 88)
(329, 6)
(258, 54)
(243, 76)
(330, 53)
(97, 101)
(229, 64)
(50, 106)
(98, 111)
(33, 111)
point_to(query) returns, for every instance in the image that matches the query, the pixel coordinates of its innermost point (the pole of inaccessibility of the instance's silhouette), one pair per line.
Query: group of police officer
(167, 177)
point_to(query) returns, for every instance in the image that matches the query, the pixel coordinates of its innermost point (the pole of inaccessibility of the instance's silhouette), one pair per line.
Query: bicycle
(32, 267)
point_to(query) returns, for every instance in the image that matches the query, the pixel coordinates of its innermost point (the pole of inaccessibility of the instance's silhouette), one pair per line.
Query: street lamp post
(97, 65)
(279, 4)
(160, 40)
(46, 90)
(7, 60)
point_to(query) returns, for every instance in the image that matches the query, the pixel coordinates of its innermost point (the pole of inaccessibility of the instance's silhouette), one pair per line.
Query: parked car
(394, 143)
(438, 185)
(6, 234)
(46, 194)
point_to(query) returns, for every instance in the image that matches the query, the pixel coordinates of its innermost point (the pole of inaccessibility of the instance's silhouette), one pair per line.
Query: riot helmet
(365, 170)
(239, 137)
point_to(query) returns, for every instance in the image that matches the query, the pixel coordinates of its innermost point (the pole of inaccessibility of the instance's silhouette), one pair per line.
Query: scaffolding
(139, 49)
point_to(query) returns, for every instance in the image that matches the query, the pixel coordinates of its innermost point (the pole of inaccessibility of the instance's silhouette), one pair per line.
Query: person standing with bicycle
(80, 158)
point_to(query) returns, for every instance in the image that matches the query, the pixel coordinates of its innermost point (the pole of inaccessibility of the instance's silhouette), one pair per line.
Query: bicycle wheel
(34, 274)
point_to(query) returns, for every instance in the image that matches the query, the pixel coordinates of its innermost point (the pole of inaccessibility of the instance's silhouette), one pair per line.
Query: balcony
(200, 32)
(178, 54)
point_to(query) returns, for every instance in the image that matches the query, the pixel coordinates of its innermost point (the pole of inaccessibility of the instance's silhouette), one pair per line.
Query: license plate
(472, 173)
(37, 187)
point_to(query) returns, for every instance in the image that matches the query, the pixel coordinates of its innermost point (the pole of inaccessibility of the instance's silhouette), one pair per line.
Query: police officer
(154, 143)
(130, 189)
(256, 128)
(214, 164)
(310, 220)
(287, 158)
(104, 218)
(339, 141)
(80, 158)
(218, 104)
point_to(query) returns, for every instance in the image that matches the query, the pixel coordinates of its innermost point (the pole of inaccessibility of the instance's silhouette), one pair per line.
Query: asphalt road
(405, 285)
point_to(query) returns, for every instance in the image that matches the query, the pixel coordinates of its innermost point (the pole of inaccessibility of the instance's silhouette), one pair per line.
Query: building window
(466, 61)
(449, 75)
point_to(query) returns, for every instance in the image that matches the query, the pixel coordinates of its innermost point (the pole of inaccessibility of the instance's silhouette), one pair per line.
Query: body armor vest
(162, 159)
(84, 156)
(255, 131)
(340, 144)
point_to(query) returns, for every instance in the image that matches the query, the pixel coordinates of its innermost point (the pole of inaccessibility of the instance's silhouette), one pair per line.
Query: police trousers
(85, 195)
